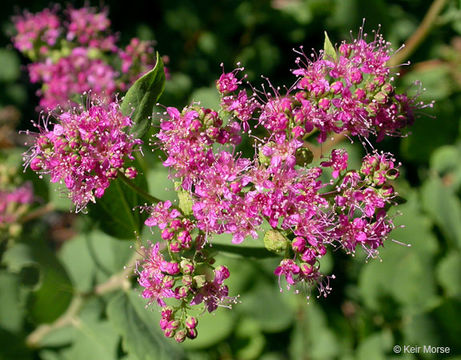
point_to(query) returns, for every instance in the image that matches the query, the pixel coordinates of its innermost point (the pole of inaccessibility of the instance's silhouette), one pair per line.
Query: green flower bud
(304, 156)
(275, 241)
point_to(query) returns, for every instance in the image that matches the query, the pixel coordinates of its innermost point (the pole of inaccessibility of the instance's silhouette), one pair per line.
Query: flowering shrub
(228, 220)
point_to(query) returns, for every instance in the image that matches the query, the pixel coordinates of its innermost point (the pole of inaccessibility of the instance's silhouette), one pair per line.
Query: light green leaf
(94, 340)
(449, 274)
(444, 207)
(142, 96)
(212, 328)
(329, 51)
(11, 309)
(403, 269)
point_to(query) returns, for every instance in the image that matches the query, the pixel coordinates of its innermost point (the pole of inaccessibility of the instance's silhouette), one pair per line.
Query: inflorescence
(75, 52)
(309, 209)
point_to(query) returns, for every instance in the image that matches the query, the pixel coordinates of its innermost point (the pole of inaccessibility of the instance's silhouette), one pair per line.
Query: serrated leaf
(138, 326)
(329, 51)
(142, 96)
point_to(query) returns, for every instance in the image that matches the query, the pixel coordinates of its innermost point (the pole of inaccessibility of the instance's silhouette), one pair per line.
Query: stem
(420, 34)
(43, 210)
(136, 188)
(70, 317)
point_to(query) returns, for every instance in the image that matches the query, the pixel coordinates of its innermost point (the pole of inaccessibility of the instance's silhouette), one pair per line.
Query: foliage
(71, 268)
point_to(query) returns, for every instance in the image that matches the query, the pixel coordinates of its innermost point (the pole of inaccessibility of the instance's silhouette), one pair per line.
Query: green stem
(248, 252)
(118, 281)
(136, 188)
(420, 34)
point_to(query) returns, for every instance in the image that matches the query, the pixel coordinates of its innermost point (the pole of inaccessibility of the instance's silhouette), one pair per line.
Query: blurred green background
(410, 296)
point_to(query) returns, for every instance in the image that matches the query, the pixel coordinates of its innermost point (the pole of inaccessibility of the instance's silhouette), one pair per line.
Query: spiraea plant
(299, 206)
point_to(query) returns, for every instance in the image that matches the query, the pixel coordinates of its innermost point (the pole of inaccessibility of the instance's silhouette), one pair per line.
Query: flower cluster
(15, 201)
(188, 278)
(308, 209)
(76, 52)
(85, 148)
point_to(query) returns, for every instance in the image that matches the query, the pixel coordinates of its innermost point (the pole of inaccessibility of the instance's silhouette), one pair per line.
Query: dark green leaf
(139, 328)
(54, 294)
(115, 212)
(142, 96)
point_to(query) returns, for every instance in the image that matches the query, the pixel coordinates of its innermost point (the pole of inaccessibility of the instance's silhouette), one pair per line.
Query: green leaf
(403, 269)
(139, 328)
(329, 51)
(249, 339)
(142, 96)
(11, 309)
(449, 274)
(94, 340)
(9, 71)
(20, 259)
(212, 328)
(13, 347)
(312, 336)
(444, 207)
(53, 296)
(375, 346)
(93, 256)
(268, 306)
(115, 212)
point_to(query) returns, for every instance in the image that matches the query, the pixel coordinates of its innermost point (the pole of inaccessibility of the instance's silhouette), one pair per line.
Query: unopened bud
(275, 241)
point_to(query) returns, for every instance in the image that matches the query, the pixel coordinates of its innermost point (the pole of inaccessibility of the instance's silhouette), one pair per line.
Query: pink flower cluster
(189, 278)
(85, 149)
(309, 209)
(13, 202)
(76, 52)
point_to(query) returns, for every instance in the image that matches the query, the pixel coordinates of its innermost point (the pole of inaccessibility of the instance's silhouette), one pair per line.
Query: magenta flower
(84, 148)
(40, 30)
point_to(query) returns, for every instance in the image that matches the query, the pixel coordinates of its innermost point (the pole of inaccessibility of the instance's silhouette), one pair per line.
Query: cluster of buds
(189, 278)
(85, 148)
(15, 201)
(75, 52)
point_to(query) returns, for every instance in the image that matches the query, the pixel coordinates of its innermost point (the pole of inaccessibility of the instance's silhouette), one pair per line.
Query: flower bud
(191, 322)
(187, 267)
(180, 336)
(304, 156)
(275, 241)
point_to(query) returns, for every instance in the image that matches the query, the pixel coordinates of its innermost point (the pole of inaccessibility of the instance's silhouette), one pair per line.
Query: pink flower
(85, 149)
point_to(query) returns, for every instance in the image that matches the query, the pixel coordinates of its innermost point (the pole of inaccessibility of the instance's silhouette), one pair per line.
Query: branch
(420, 34)
(136, 188)
(118, 281)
